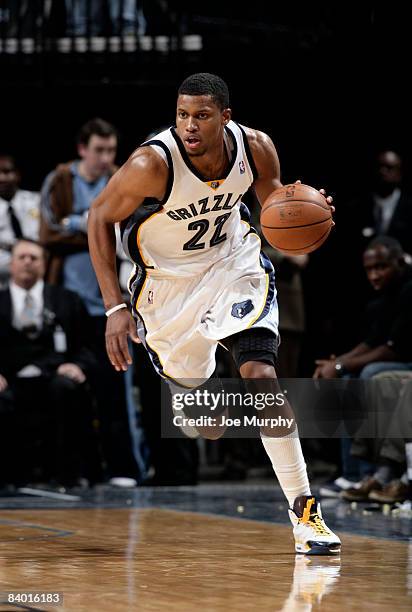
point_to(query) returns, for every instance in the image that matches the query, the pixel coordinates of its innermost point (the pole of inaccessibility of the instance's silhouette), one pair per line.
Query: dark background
(328, 83)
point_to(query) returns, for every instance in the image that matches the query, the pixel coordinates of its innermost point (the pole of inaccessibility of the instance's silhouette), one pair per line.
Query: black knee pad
(254, 344)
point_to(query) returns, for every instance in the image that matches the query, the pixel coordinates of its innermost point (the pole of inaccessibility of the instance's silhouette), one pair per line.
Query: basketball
(296, 219)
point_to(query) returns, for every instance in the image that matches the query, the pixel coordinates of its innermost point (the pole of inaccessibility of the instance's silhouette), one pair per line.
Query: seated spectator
(67, 194)
(19, 212)
(382, 207)
(390, 395)
(44, 367)
(386, 345)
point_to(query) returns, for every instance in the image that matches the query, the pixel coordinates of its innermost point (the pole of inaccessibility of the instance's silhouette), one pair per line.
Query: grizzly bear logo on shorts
(241, 309)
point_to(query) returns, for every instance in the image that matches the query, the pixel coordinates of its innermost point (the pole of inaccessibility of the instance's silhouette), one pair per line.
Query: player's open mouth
(192, 142)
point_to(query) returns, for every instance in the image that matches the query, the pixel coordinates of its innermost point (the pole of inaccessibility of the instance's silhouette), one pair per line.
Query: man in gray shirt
(66, 196)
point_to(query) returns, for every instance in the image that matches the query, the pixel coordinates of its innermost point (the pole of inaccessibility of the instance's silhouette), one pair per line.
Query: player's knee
(211, 433)
(257, 369)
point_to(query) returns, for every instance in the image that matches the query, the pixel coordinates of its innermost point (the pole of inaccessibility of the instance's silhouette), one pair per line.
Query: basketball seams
(293, 202)
(308, 246)
(296, 226)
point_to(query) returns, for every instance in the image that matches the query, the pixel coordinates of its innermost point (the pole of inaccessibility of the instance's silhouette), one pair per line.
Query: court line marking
(51, 494)
(55, 533)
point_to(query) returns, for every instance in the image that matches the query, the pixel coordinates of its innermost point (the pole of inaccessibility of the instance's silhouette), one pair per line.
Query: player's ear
(226, 116)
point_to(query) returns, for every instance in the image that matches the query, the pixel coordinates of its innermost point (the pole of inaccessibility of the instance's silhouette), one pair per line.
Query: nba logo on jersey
(215, 184)
(241, 309)
(150, 297)
(242, 167)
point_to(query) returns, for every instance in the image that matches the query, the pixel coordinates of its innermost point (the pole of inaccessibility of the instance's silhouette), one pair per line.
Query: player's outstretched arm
(143, 175)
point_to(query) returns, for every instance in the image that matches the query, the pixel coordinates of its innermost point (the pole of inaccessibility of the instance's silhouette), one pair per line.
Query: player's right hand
(119, 326)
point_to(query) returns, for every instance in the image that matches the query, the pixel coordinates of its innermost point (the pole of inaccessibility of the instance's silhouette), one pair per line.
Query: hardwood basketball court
(154, 558)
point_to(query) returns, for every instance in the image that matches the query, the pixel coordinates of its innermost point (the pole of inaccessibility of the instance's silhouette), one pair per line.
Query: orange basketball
(296, 219)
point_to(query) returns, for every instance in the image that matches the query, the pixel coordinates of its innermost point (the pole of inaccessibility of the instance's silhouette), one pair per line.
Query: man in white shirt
(19, 212)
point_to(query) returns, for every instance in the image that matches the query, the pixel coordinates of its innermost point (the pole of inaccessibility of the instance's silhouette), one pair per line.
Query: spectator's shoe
(312, 536)
(395, 491)
(362, 492)
(123, 482)
(335, 488)
(404, 509)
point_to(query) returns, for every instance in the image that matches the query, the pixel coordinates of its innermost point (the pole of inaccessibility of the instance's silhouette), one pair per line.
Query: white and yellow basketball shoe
(312, 536)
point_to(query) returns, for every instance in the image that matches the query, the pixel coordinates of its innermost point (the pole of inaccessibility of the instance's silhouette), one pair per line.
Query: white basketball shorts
(180, 320)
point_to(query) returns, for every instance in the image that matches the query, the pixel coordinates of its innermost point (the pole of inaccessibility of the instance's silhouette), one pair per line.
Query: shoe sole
(317, 549)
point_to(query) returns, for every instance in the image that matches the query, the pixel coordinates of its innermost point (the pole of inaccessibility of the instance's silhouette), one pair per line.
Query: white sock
(289, 464)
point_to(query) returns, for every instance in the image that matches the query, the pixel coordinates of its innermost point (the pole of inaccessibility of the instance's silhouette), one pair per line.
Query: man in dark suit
(44, 366)
(384, 208)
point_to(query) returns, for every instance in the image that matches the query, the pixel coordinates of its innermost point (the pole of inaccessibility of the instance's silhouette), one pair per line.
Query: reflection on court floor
(151, 558)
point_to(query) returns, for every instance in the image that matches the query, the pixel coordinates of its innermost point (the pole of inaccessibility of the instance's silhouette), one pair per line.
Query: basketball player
(200, 276)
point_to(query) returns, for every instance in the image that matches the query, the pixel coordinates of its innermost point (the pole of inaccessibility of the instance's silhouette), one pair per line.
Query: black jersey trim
(129, 228)
(170, 178)
(137, 290)
(194, 170)
(267, 265)
(244, 212)
(245, 216)
(136, 286)
(249, 153)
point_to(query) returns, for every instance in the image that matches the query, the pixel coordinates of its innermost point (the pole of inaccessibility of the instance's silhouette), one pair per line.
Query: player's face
(381, 268)
(27, 264)
(9, 178)
(99, 154)
(200, 123)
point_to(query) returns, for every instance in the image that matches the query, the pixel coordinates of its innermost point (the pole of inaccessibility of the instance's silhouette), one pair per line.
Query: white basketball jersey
(199, 222)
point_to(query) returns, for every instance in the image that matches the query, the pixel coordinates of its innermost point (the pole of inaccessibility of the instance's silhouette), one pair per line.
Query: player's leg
(195, 419)
(255, 351)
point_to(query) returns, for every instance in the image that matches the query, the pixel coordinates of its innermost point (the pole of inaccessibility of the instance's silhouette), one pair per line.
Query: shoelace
(313, 519)
(318, 525)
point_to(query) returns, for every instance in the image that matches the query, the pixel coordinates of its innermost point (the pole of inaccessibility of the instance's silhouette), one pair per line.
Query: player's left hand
(329, 199)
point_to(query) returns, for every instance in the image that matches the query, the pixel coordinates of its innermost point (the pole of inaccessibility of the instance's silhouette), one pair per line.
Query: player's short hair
(95, 127)
(393, 246)
(206, 84)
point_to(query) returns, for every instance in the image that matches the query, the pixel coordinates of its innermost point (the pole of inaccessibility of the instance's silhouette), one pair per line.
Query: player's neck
(212, 165)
